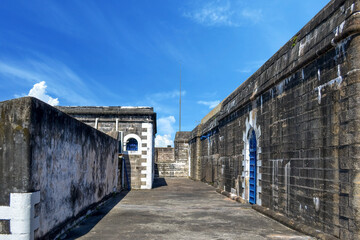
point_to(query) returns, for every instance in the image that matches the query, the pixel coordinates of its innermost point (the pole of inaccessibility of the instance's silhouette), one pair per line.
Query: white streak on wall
(348, 73)
(280, 87)
(308, 40)
(21, 214)
(302, 74)
(287, 185)
(275, 174)
(340, 47)
(189, 161)
(209, 145)
(337, 80)
(316, 203)
(230, 105)
(339, 29)
(96, 123)
(117, 125)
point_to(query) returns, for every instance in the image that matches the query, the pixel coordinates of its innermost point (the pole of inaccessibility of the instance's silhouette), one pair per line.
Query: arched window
(132, 145)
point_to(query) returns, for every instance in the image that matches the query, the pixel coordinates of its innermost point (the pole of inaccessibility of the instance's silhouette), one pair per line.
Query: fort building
(135, 129)
(286, 141)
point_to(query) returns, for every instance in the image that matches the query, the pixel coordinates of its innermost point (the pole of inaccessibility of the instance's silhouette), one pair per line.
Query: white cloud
(64, 81)
(213, 13)
(166, 131)
(39, 91)
(210, 104)
(165, 125)
(163, 141)
(223, 13)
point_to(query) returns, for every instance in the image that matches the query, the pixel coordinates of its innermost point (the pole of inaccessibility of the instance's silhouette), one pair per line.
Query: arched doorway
(253, 172)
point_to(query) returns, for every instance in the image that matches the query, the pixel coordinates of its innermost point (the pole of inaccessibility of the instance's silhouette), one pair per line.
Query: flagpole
(180, 103)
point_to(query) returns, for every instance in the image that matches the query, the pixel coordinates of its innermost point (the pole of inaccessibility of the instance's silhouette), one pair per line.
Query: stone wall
(303, 107)
(164, 161)
(131, 122)
(53, 168)
(181, 145)
(174, 162)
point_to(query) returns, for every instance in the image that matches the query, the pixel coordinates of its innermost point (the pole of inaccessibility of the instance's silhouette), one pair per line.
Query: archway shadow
(159, 182)
(90, 221)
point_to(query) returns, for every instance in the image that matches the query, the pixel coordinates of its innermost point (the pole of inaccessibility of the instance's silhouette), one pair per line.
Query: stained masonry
(174, 162)
(303, 109)
(287, 139)
(53, 168)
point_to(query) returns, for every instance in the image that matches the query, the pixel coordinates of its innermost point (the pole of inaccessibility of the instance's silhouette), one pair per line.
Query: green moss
(294, 41)
(18, 128)
(2, 129)
(26, 132)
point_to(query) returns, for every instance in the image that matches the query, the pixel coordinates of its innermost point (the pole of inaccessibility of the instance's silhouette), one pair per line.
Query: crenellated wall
(303, 107)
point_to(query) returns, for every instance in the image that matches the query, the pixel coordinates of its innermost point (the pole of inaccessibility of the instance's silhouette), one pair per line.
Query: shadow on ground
(159, 182)
(90, 221)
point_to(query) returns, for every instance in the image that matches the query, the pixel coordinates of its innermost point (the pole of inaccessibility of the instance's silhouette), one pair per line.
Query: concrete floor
(178, 208)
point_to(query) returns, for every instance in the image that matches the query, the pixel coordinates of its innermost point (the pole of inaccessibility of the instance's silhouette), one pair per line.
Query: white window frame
(138, 139)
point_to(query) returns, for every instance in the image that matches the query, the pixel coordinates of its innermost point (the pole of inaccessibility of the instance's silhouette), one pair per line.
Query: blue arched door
(252, 180)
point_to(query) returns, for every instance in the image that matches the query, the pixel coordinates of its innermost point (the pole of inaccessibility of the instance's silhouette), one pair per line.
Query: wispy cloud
(254, 15)
(210, 104)
(167, 95)
(213, 13)
(39, 91)
(223, 13)
(164, 103)
(166, 131)
(61, 80)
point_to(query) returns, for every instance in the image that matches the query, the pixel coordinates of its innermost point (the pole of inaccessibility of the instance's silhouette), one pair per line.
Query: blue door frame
(252, 180)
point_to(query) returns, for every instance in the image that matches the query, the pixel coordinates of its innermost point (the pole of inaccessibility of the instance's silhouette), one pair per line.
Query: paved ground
(178, 209)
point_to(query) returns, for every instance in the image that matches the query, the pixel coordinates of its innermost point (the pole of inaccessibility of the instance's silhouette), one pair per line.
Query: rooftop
(112, 110)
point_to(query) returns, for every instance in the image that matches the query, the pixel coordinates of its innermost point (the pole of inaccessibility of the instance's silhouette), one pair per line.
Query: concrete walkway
(178, 209)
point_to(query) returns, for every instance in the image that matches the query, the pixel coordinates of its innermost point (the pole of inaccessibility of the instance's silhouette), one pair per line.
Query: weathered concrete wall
(181, 145)
(303, 105)
(164, 155)
(174, 162)
(164, 160)
(72, 165)
(132, 122)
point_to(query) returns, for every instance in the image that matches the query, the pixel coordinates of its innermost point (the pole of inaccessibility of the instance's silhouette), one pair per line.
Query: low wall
(164, 161)
(174, 162)
(52, 168)
(288, 138)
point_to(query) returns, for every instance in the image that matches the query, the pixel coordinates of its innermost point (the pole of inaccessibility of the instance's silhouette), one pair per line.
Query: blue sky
(128, 53)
